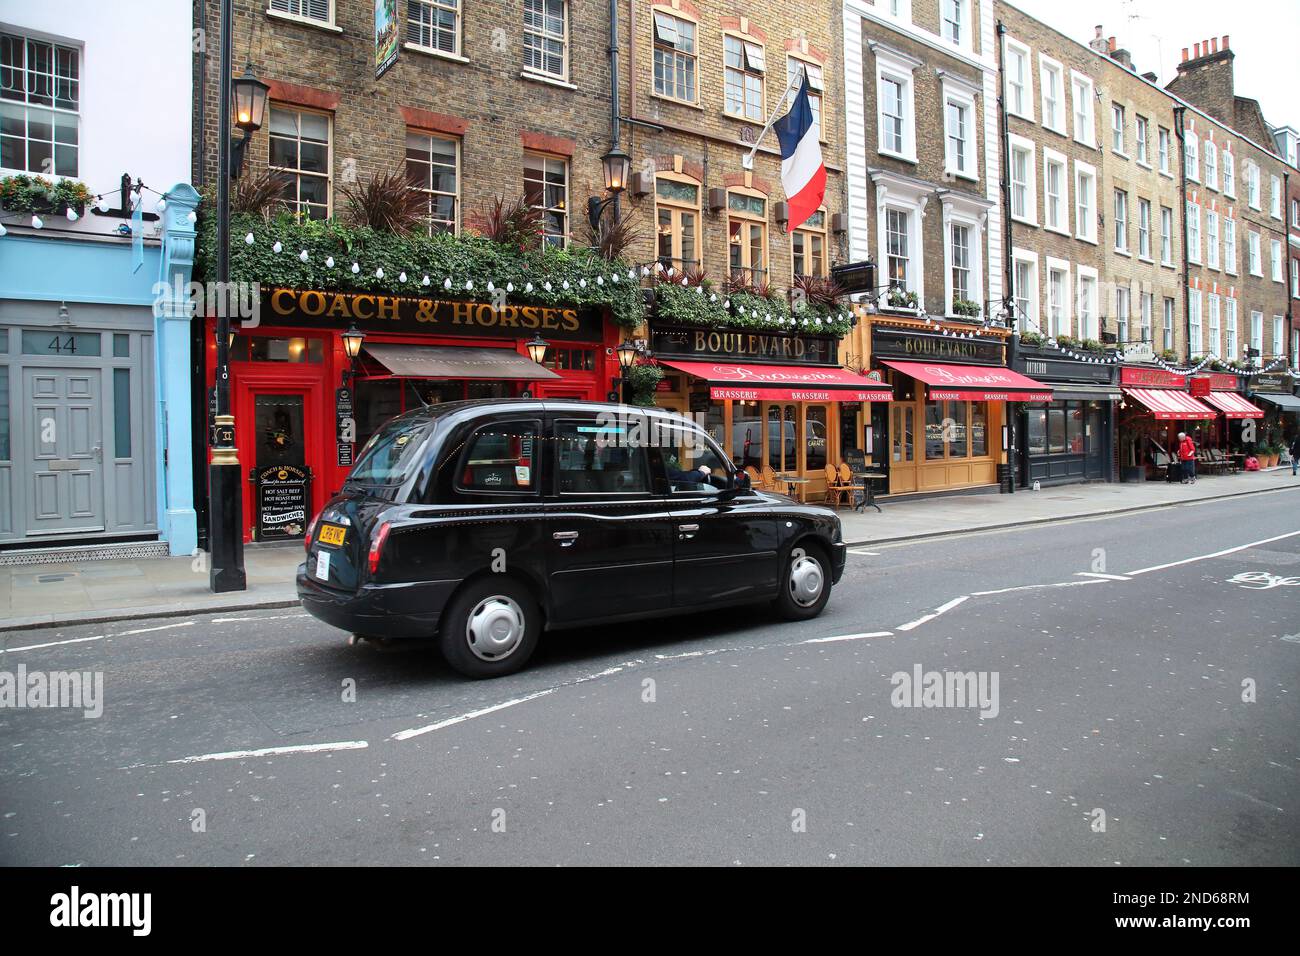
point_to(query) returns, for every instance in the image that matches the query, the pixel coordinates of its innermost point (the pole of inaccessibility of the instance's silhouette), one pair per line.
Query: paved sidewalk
(54, 595)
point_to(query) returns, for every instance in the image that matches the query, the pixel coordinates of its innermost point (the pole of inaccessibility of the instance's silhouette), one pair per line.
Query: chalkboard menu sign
(283, 497)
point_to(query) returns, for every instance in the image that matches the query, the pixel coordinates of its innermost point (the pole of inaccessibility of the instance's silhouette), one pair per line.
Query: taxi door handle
(687, 531)
(566, 538)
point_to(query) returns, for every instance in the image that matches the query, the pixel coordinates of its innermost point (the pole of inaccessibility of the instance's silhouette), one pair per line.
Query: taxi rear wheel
(490, 628)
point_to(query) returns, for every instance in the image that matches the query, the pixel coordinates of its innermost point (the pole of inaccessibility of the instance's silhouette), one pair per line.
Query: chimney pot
(1098, 28)
(1197, 48)
(1225, 41)
(1184, 54)
(1214, 44)
(1111, 43)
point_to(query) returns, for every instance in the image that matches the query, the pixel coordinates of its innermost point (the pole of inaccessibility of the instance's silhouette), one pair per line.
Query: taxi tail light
(377, 546)
(311, 530)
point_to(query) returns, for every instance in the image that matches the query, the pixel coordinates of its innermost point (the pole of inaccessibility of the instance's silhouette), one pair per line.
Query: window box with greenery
(903, 301)
(36, 194)
(965, 308)
(691, 299)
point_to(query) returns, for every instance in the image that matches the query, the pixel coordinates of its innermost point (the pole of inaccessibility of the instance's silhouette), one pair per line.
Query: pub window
(263, 348)
(747, 234)
(596, 458)
(300, 151)
(674, 57)
(744, 70)
(316, 10)
(1036, 432)
(677, 230)
(432, 166)
(546, 33)
(960, 265)
(434, 25)
(546, 187)
(40, 96)
(570, 360)
(897, 229)
(815, 87)
(501, 457)
(808, 246)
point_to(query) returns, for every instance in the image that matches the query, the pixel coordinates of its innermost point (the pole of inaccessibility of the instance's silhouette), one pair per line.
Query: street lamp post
(626, 357)
(225, 495)
(537, 348)
(617, 167)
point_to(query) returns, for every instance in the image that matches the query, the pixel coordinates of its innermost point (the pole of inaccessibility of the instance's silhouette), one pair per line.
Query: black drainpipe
(1180, 130)
(613, 89)
(1007, 480)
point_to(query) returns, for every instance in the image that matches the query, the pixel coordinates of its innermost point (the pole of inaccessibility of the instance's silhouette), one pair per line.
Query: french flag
(803, 174)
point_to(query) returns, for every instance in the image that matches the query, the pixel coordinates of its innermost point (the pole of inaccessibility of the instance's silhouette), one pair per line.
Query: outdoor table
(865, 478)
(791, 481)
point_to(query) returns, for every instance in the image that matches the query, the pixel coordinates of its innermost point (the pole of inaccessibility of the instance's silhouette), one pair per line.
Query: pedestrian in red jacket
(1187, 457)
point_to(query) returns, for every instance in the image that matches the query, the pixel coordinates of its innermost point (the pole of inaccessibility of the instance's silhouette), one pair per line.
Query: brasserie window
(674, 57)
(743, 80)
(677, 231)
(955, 430)
(747, 237)
(808, 246)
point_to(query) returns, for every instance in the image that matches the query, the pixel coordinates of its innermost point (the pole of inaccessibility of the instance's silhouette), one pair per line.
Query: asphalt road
(1118, 734)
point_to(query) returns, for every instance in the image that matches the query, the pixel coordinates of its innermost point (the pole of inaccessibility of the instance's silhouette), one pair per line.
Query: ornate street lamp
(627, 354)
(249, 94)
(617, 167)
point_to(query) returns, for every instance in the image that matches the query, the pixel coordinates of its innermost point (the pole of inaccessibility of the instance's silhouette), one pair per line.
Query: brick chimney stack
(1098, 43)
(1205, 78)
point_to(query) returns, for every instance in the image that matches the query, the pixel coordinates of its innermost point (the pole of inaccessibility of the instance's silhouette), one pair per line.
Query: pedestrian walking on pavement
(1187, 457)
(1295, 452)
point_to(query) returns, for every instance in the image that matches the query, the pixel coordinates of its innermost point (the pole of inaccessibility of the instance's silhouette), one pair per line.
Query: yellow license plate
(332, 534)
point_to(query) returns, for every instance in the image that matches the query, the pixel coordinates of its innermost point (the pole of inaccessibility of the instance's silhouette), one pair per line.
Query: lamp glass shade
(248, 102)
(352, 340)
(626, 355)
(618, 168)
(230, 337)
(537, 348)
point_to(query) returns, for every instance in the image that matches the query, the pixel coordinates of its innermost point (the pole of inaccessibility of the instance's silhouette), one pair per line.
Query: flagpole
(747, 161)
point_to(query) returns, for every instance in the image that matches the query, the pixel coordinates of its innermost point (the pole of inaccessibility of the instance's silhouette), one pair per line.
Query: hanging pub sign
(282, 494)
(347, 425)
(387, 41)
(855, 277)
(701, 343)
(1199, 386)
(315, 309)
(902, 344)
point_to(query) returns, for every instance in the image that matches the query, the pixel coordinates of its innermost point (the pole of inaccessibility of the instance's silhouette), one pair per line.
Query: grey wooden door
(65, 448)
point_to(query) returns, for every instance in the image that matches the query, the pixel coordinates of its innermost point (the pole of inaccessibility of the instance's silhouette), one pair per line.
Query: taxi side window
(596, 458)
(502, 456)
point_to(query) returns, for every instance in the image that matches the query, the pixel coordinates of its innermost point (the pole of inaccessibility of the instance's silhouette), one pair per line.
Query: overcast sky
(1263, 36)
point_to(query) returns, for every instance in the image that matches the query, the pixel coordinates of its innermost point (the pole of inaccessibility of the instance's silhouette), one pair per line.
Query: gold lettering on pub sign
(337, 305)
(931, 347)
(749, 343)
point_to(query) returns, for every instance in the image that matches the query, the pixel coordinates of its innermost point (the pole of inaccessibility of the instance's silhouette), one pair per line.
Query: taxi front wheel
(805, 584)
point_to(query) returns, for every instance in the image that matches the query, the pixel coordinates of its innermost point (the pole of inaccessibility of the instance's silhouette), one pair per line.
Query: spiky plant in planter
(261, 195)
(611, 239)
(386, 202)
(512, 223)
(815, 290)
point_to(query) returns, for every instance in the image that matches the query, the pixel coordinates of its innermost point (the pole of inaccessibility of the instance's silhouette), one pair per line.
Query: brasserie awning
(1233, 405)
(1288, 403)
(448, 361)
(784, 382)
(974, 383)
(1170, 405)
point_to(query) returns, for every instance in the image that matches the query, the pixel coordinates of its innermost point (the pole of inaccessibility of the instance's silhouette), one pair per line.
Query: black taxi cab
(485, 523)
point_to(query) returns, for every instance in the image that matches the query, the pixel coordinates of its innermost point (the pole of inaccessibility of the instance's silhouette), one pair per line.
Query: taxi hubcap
(806, 579)
(495, 628)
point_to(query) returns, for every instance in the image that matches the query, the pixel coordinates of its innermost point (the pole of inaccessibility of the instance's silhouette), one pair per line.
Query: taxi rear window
(501, 457)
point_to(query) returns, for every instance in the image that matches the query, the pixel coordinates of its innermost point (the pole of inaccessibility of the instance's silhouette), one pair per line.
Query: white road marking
(1216, 554)
(146, 630)
(870, 554)
(36, 647)
(241, 620)
(277, 751)
(1104, 577)
(1031, 587)
(460, 719)
(942, 609)
(848, 637)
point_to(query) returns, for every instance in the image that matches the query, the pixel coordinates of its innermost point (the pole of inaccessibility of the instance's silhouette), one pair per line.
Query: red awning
(1233, 405)
(1170, 405)
(974, 383)
(785, 382)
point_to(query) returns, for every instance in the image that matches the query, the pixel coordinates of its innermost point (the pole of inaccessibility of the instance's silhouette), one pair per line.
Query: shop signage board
(1151, 378)
(928, 346)
(1283, 384)
(315, 309)
(1199, 386)
(1139, 352)
(283, 493)
(696, 343)
(387, 36)
(1222, 381)
(1063, 370)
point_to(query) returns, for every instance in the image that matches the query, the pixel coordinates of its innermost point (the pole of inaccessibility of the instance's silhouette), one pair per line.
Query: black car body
(486, 522)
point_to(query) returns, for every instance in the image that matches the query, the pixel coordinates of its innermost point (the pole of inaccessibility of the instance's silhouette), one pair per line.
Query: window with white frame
(1193, 232)
(1024, 198)
(1020, 84)
(1229, 244)
(300, 154)
(896, 113)
(1086, 307)
(1257, 332)
(1025, 290)
(1051, 76)
(1117, 119)
(1168, 337)
(1211, 165)
(317, 10)
(901, 9)
(808, 246)
(1279, 343)
(959, 140)
(1253, 261)
(1229, 172)
(816, 87)
(1275, 259)
(1058, 298)
(1295, 278)
(1056, 197)
(1252, 186)
(1140, 128)
(1191, 156)
(898, 246)
(546, 37)
(546, 189)
(959, 256)
(1144, 228)
(1230, 326)
(955, 21)
(747, 237)
(1166, 236)
(744, 69)
(1085, 193)
(1295, 213)
(1295, 350)
(1275, 197)
(1081, 90)
(432, 167)
(1194, 304)
(40, 102)
(1121, 221)
(1213, 336)
(1162, 149)
(1145, 305)
(434, 25)
(1211, 239)
(675, 57)
(1122, 312)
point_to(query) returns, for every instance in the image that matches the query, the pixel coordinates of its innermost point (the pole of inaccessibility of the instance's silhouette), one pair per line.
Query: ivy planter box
(45, 209)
